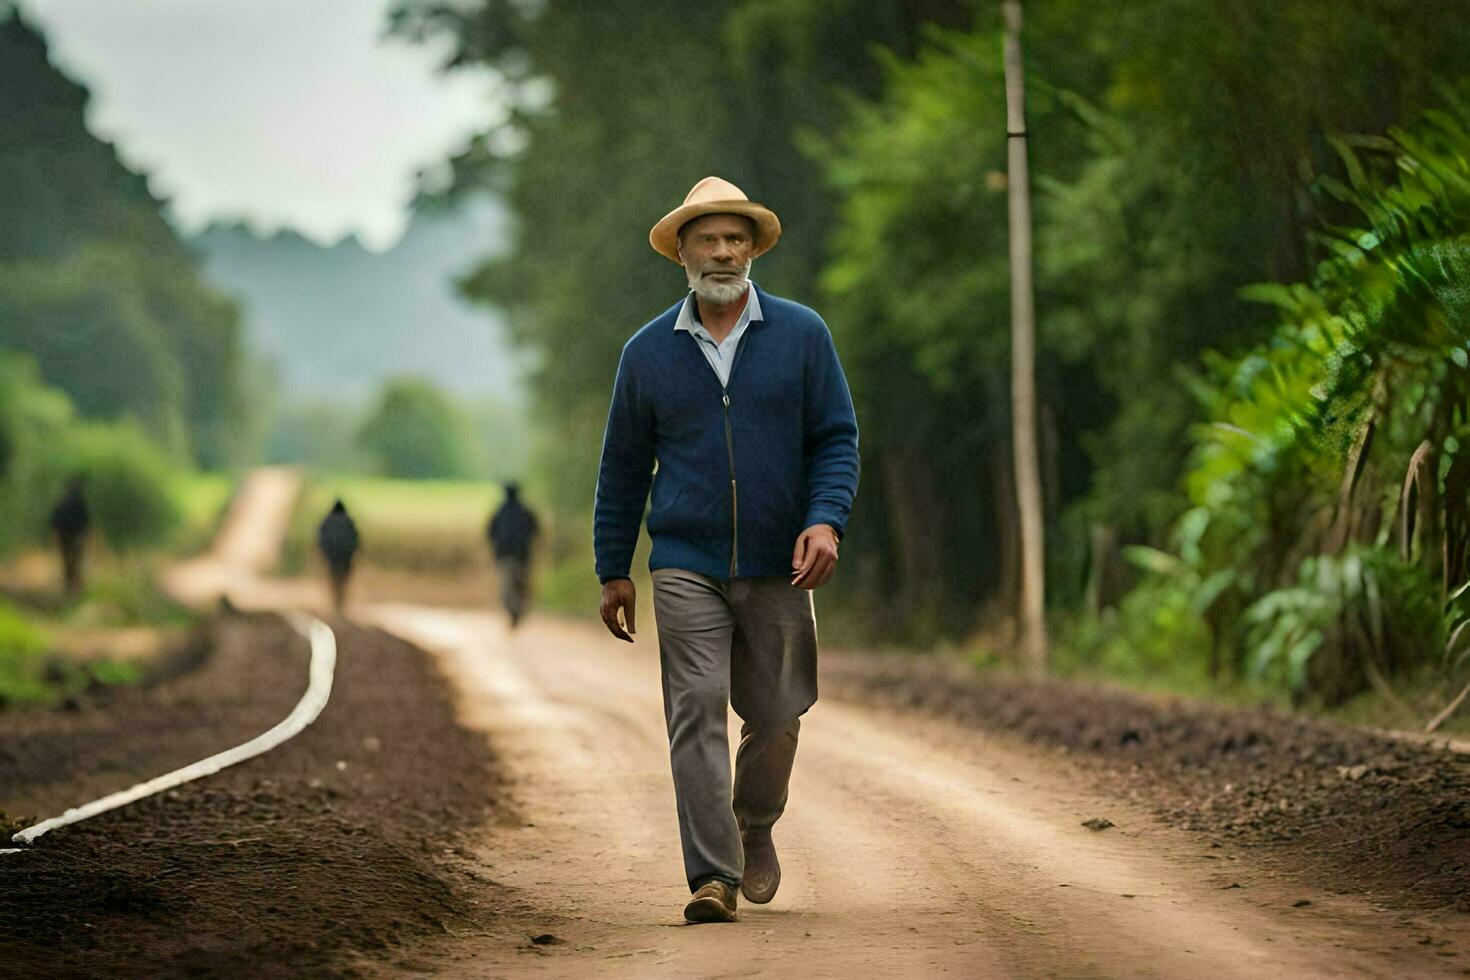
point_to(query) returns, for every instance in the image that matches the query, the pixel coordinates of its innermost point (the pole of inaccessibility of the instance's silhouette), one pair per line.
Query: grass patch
(23, 648)
(30, 673)
(122, 595)
(41, 633)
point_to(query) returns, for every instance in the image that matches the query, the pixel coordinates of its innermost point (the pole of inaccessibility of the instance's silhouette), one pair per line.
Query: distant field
(415, 525)
(422, 504)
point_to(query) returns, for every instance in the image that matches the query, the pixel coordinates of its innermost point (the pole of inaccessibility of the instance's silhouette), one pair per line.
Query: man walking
(740, 400)
(512, 531)
(337, 539)
(70, 520)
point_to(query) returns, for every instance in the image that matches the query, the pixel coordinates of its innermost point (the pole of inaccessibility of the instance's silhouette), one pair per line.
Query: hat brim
(665, 235)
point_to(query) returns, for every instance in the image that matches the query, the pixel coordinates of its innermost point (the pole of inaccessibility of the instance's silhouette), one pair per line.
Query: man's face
(716, 252)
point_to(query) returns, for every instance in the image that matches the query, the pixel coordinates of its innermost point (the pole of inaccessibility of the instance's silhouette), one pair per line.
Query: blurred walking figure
(512, 532)
(338, 541)
(736, 396)
(70, 520)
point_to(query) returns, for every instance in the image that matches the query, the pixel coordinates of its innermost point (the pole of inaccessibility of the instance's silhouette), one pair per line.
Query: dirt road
(910, 847)
(247, 548)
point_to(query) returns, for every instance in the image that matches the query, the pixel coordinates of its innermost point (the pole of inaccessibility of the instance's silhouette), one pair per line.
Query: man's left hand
(815, 557)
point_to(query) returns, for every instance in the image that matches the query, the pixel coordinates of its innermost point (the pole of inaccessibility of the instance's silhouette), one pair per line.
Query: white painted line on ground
(318, 689)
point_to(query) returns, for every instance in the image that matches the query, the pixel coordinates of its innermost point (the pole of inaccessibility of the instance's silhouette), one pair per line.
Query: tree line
(1181, 151)
(117, 361)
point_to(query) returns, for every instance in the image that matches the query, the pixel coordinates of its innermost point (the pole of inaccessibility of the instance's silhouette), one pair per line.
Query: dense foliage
(118, 365)
(1181, 149)
(127, 478)
(415, 432)
(1329, 530)
(94, 283)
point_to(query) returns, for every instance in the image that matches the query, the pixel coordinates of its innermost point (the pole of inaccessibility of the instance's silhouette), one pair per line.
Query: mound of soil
(1356, 811)
(330, 848)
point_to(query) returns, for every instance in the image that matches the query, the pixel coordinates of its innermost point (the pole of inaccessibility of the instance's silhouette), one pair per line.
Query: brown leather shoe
(714, 902)
(762, 870)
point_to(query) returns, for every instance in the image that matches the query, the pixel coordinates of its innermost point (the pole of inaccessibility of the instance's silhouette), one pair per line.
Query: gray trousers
(750, 644)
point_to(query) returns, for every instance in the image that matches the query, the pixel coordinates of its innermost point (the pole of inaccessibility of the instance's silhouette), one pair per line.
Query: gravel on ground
(1359, 812)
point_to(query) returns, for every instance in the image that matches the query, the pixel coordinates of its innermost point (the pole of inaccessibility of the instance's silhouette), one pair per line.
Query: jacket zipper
(730, 451)
(734, 492)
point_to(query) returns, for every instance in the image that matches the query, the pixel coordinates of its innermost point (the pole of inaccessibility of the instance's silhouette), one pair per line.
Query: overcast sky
(287, 113)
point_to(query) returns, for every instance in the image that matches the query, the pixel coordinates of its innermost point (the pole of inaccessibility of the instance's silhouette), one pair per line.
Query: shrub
(22, 655)
(1330, 525)
(127, 480)
(34, 421)
(1349, 620)
(416, 432)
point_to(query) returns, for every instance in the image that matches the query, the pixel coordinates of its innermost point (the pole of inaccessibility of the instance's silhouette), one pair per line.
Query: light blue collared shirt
(721, 356)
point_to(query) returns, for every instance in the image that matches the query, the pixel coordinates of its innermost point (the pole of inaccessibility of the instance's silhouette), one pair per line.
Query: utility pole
(1023, 358)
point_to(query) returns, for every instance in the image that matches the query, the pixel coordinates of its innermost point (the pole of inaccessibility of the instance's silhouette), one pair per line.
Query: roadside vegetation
(1324, 549)
(1249, 333)
(1252, 368)
(35, 669)
(119, 368)
(54, 647)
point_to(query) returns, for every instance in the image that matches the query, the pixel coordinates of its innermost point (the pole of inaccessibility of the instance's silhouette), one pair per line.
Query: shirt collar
(751, 313)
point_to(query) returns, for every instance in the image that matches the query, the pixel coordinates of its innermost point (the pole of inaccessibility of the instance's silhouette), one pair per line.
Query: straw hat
(714, 195)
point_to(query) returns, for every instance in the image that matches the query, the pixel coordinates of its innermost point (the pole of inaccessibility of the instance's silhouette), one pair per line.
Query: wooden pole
(1023, 358)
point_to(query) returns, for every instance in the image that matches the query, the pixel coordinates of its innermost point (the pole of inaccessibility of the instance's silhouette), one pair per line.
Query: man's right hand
(619, 594)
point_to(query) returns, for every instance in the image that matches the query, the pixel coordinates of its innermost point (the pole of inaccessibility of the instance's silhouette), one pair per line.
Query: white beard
(716, 292)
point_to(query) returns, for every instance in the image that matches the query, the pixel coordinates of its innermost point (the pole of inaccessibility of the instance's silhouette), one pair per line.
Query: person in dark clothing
(337, 538)
(70, 521)
(730, 379)
(512, 532)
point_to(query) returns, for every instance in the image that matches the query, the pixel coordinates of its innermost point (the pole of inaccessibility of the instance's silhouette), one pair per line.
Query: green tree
(415, 432)
(126, 480)
(87, 325)
(95, 284)
(605, 138)
(1171, 169)
(918, 293)
(1207, 124)
(34, 422)
(126, 475)
(1174, 145)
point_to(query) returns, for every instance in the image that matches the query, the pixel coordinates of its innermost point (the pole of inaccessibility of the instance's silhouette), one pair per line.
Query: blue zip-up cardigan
(730, 500)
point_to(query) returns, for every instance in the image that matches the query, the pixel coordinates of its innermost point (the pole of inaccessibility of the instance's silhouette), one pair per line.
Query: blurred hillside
(337, 321)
